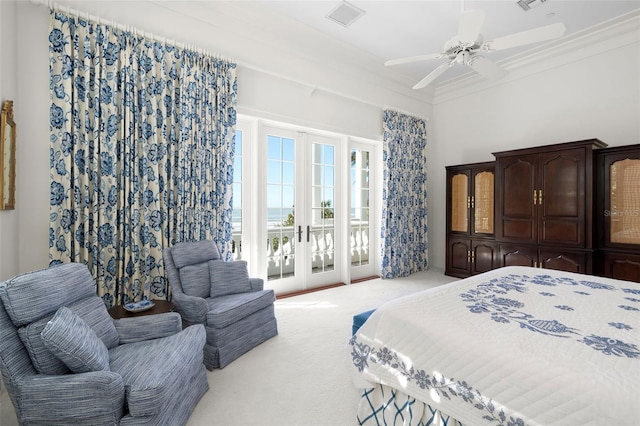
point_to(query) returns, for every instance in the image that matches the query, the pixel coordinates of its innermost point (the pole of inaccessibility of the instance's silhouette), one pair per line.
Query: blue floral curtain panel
(404, 195)
(141, 153)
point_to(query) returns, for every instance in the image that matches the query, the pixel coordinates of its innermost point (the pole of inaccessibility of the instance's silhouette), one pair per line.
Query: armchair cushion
(75, 343)
(228, 278)
(25, 301)
(191, 253)
(91, 310)
(148, 327)
(145, 384)
(229, 309)
(195, 280)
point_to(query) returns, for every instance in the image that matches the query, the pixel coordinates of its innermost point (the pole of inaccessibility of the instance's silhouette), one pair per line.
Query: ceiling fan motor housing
(461, 52)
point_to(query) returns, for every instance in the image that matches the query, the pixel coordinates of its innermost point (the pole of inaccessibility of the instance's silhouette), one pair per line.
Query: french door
(362, 199)
(303, 206)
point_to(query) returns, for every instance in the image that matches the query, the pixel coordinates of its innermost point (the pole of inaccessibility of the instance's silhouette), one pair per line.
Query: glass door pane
(625, 201)
(280, 203)
(360, 207)
(322, 233)
(459, 203)
(236, 220)
(483, 203)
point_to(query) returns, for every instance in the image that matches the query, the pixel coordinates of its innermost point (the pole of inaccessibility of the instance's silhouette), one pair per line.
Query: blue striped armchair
(237, 312)
(65, 361)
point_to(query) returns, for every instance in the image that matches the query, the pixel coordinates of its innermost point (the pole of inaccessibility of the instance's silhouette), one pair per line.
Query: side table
(159, 307)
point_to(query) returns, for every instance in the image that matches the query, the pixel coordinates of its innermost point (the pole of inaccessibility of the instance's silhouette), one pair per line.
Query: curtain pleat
(141, 153)
(404, 195)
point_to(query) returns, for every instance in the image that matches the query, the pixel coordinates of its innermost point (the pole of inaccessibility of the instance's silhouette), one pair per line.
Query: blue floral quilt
(513, 346)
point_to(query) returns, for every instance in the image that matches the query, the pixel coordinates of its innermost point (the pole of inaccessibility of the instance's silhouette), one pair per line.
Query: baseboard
(360, 280)
(311, 290)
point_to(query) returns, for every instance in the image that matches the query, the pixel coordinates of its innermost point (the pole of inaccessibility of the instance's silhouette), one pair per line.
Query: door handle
(299, 233)
(308, 232)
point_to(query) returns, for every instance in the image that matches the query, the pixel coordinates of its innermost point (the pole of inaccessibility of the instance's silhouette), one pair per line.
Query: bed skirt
(383, 405)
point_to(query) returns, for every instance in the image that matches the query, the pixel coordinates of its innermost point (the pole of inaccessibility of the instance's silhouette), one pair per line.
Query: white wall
(8, 90)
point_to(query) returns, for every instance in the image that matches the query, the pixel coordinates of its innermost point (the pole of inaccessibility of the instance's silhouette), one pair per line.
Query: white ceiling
(394, 29)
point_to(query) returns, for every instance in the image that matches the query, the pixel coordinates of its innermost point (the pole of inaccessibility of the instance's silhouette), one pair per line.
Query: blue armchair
(237, 312)
(65, 361)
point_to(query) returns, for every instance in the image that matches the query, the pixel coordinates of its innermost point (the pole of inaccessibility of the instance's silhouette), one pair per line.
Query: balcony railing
(280, 248)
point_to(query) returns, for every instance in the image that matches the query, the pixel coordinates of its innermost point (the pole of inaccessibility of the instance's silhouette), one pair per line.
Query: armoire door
(516, 219)
(560, 198)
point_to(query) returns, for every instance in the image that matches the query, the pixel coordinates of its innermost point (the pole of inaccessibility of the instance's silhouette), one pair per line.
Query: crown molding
(615, 33)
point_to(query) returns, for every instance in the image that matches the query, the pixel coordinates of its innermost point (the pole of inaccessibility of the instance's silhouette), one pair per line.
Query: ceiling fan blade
(413, 59)
(548, 32)
(432, 75)
(486, 68)
(470, 25)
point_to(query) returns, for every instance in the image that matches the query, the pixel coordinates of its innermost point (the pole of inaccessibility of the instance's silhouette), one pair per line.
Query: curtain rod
(124, 27)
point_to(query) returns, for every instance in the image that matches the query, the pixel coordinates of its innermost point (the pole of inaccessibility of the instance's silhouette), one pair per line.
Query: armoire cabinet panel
(518, 256)
(544, 194)
(561, 197)
(562, 260)
(516, 217)
(578, 262)
(618, 211)
(622, 266)
(484, 256)
(467, 257)
(458, 257)
(470, 199)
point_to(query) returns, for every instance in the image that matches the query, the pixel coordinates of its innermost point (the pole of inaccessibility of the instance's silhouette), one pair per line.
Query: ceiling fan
(465, 48)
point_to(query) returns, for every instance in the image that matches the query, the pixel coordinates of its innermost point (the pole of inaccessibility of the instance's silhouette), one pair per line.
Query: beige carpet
(300, 377)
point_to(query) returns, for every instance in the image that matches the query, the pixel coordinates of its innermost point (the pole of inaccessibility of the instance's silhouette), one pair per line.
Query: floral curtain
(141, 153)
(404, 195)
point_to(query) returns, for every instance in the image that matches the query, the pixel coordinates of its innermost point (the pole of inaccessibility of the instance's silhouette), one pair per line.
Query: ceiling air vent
(345, 14)
(528, 4)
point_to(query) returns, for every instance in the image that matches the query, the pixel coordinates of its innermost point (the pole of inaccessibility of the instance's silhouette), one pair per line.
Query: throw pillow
(195, 280)
(94, 313)
(75, 343)
(228, 277)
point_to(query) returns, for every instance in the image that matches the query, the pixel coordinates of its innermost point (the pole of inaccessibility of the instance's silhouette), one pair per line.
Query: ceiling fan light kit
(466, 46)
(526, 4)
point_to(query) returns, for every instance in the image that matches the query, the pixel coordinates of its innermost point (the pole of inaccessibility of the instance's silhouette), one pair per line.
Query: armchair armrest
(148, 327)
(71, 398)
(192, 309)
(257, 284)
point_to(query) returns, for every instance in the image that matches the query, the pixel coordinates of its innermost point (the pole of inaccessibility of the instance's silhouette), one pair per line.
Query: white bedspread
(514, 346)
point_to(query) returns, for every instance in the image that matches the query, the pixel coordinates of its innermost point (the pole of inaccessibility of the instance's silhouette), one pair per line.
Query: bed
(512, 346)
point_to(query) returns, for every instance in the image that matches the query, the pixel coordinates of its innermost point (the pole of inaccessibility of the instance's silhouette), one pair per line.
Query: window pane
(274, 172)
(274, 147)
(288, 149)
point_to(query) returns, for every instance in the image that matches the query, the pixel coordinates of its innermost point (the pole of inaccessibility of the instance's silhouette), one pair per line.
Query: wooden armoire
(548, 202)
